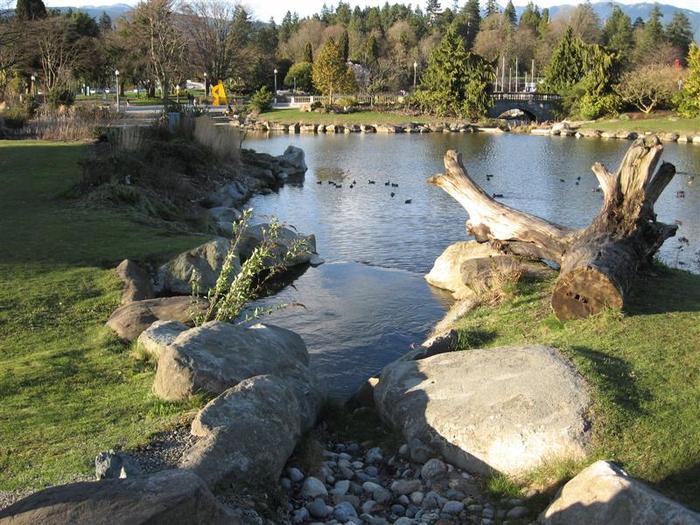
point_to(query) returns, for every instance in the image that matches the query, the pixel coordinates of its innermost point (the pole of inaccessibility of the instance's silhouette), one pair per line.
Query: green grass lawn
(688, 126)
(68, 388)
(644, 368)
(291, 116)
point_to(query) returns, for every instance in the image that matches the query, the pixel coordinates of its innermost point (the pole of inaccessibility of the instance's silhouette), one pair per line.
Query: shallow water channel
(369, 302)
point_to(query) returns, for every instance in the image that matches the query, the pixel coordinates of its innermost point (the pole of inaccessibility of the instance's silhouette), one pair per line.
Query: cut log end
(584, 292)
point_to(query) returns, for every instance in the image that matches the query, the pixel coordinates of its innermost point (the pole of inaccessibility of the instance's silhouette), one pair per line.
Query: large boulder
(292, 160)
(466, 267)
(255, 235)
(503, 409)
(249, 431)
(604, 494)
(137, 283)
(169, 496)
(207, 260)
(159, 335)
(216, 356)
(130, 320)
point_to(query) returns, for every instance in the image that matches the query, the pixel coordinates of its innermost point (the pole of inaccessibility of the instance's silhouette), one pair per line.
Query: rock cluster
(366, 486)
(411, 127)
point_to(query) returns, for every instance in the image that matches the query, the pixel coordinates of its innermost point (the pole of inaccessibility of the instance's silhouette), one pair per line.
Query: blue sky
(264, 9)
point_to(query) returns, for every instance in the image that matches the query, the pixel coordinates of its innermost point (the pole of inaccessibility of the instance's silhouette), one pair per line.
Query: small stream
(370, 302)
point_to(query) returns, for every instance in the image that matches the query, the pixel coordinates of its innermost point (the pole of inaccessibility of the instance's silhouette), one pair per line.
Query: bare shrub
(224, 141)
(649, 87)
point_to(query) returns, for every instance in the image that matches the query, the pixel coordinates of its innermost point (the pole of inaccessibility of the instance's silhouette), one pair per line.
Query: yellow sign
(218, 93)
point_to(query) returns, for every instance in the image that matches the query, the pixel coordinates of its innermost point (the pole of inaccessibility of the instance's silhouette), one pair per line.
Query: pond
(371, 303)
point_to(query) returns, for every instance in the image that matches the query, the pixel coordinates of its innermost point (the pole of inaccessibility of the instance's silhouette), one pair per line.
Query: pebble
(374, 456)
(368, 506)
(295, 474)
(417, 497)
(286, 483)
(372, 471)
(344, 511)
(488, 513)
(405, 486)
(301, 515)
(318, 508)
(313, 487)
(370, 486)
(403, 450)
(357, 465)
(453, 507)
(404, 521)
(397, 509)
(433, 469)
(517, 513)
(403, 499)
(341, 487)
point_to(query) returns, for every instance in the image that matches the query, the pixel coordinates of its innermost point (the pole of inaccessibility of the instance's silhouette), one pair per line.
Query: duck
(393, 185)
(408, 201)
(330, 182)
(497, 195)
(392, 194)
(562, 180)
(371, 181)
(387, 183)
(319, 182)
(680, 194)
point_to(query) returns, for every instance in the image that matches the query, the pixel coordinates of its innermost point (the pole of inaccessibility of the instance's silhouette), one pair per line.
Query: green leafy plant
(262, 99)
(233, 291)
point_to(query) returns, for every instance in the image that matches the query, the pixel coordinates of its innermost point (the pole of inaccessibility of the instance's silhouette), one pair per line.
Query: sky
(264, 9)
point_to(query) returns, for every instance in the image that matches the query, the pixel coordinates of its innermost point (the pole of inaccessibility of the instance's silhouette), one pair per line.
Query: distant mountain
(95, 11)
(604, 9)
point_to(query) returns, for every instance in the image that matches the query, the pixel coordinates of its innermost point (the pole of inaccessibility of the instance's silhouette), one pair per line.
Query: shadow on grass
(475, 338)
(683, 485)
(615, 379)
(663, 291)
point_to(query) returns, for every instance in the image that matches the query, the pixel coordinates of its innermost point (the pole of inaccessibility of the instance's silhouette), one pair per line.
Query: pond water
(372, 303)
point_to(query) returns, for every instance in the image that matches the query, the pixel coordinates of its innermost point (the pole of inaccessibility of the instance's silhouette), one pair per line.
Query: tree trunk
(598, 263)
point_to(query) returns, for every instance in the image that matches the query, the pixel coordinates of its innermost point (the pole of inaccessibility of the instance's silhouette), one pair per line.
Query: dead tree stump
(598, 263)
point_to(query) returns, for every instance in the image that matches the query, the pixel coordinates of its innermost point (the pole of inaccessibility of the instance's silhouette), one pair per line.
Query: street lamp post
(206, 86)
(31, 87)
(275, 81)
(415, 71)
(116, 75)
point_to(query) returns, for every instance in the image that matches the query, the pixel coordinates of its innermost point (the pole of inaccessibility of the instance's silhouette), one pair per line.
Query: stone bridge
(537, 106)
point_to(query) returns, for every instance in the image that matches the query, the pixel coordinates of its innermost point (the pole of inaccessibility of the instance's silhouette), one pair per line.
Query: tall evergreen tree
(491, 8)
(567, 65)
(308, 53)
(105, 23)
(618, 34)
(509, 14)
(652, 35)
(344, 43)
(371, 50)
(469, 20)
(680, 32)
(30, 9)
(433, 10)
(531, 17)
(456, 81)
(689, 103)
(331, 75)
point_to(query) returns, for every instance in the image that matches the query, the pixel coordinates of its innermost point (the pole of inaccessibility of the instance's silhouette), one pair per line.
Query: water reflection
(357, 318)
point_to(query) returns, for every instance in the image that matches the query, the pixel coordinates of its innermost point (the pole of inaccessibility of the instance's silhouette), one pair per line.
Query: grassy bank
(69, 389)
(291, 116)
(690, 126)
(644, 368)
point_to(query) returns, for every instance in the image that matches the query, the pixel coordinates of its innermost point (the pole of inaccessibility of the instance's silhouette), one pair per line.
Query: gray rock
(405, 486)
(130, 320)
(381, 495)
(404, 521)
(225, 214)
(286, 237)
(293, 160)
(113, 464)
(313, 487)
(248, 432)
(603, 493)
(344, 511)
(318, 508)
(533, 406)
(159, 335)
(433, 469)
(453, 507)
(398, 509)
(206, 260)
(137, 283)
(286, 483)
(217, 355)
(368, 506)
(168, 496)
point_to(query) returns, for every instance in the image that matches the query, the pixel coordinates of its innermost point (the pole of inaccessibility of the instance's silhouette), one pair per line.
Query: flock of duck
(370, 182)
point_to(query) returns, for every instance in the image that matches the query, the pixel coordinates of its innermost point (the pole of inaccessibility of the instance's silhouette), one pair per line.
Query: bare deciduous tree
(649, 87)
